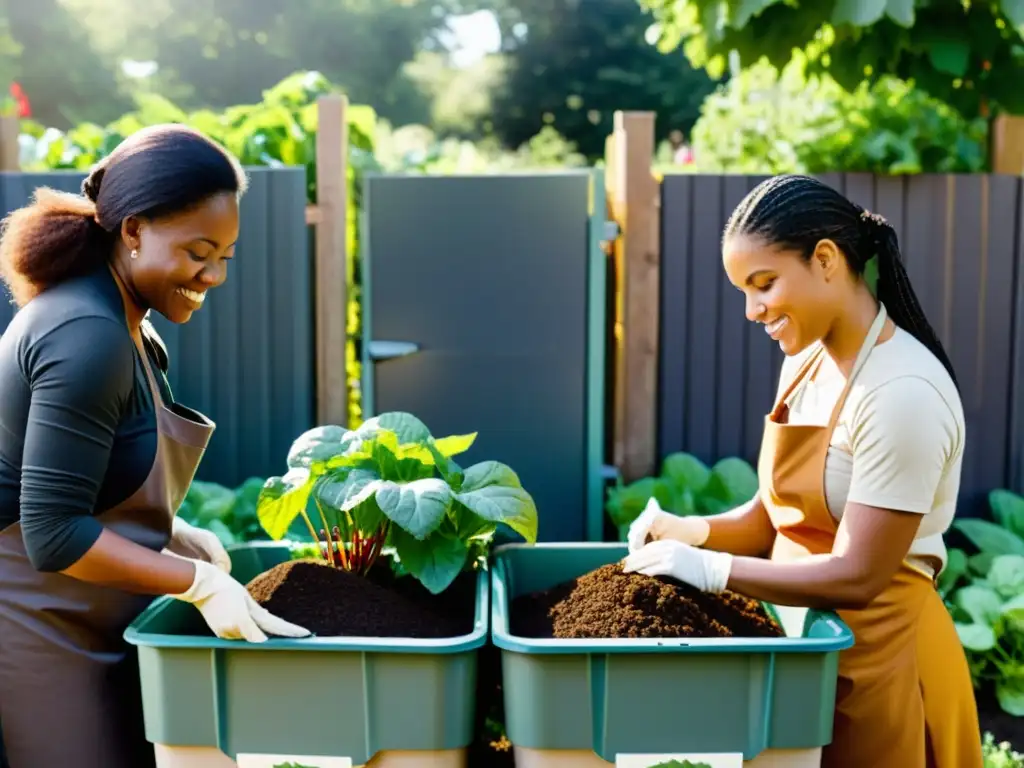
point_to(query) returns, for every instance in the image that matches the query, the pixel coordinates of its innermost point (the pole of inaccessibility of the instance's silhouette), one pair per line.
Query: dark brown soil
(608, 603)
(992, 718)
(330, 602)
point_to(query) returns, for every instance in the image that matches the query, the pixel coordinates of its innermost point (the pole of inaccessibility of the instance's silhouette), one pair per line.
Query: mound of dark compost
(609, 603)
(330, 602)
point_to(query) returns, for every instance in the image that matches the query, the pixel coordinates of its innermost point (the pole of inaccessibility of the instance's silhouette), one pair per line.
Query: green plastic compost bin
(582, 703)
(401, 702)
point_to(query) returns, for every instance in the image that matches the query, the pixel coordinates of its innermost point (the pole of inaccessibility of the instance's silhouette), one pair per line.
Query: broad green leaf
(453, 445)
(990, 538)
(226, 536)
(510, 505)
(626, 502)
(406, 427)
(487, 473)
(282, 500)
(1014, 10)
(748, 9)
(1006, 576)
(215, 508)
(950, 56)
(685, 472)
(976, 637)
(469, 525)
(978, 565)
(1010, 693)
(732, 479)
(901, 11)
(859, 13)
(436, 561)
(1008, 507)
(982, 604)
(318, 444)
(1012, 614)
(417, 507)
(449, 446)
(344, 490)
(956, 568)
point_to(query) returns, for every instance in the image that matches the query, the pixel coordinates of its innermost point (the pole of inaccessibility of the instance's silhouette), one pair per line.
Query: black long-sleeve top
(77, 419)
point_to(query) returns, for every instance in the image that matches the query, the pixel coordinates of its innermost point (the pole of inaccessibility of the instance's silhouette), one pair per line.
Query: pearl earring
(135, 253)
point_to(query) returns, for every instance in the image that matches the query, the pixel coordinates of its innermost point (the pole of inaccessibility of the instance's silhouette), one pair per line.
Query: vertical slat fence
(247, 358)
(960, 237)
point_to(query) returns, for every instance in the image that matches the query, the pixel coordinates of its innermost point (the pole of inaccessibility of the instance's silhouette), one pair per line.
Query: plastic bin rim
(137, 635)
(842, 636)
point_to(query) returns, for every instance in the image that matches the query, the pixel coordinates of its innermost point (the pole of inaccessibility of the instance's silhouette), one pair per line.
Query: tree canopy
(967, 53)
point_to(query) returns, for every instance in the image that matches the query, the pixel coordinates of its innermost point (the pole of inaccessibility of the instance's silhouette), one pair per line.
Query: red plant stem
(343, 559)
(329, 552)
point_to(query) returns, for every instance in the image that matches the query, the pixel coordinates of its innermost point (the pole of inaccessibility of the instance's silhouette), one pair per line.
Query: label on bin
(690, 760)
(292, 761)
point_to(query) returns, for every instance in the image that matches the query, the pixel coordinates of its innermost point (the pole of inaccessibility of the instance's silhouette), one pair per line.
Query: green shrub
(984, 593)
(686, 486)
(767, 121)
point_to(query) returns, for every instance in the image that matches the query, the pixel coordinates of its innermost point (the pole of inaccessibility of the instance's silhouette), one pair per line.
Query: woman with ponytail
(95, 454)
(859, 475)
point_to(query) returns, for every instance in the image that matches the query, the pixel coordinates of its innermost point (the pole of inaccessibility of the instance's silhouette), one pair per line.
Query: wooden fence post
(10, 153)
(635, 207)
(1007, 144)
(330, 219)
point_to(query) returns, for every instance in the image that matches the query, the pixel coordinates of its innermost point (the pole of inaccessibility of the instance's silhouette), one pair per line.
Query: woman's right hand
(656, 523)
(229, 609)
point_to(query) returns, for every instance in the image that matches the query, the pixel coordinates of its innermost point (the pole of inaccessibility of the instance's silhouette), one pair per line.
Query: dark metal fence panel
(488, 277)
(246, 359)
(959, 236)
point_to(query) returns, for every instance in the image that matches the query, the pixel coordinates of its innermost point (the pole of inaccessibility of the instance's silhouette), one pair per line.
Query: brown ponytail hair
(53, 238)
(157, 171)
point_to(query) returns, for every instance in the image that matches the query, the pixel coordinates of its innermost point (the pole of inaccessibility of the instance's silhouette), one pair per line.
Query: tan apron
(904, 697)
(69, 684)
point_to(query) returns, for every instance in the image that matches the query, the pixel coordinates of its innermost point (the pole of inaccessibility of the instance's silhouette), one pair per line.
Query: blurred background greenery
(757, 86)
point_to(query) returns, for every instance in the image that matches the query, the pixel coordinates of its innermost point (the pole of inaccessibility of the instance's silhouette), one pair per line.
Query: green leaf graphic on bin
(683, 764)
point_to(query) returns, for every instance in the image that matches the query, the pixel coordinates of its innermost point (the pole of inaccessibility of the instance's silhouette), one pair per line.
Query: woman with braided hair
(859, 475)
(95, 454)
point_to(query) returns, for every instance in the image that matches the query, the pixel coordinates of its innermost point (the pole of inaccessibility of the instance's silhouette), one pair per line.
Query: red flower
(24, 105)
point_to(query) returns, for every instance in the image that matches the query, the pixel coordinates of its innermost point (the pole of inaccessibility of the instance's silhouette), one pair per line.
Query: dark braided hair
(797, 212)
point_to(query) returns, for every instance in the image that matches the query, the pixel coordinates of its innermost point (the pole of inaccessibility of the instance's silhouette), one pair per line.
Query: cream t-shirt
(899, 441)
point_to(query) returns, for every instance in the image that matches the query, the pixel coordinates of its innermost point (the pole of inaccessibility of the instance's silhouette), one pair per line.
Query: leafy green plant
(985, 596)
(968, 54)
(391, 488)
(686, 486)
(229, 513)
(999, 755)
(278, 131)
(783, 121)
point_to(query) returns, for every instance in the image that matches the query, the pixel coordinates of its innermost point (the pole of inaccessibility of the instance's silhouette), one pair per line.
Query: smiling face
(795, 300)
(183, 255)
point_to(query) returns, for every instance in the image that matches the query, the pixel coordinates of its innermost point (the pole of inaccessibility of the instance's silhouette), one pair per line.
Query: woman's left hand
(704, 569)
(189, 541)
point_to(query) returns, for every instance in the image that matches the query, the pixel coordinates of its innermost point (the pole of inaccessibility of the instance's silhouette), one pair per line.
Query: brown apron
(904, 697)
(69, 684)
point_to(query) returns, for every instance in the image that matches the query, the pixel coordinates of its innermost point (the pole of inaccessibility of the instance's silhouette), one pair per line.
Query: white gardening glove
(230, 610)
(659, 524)
(197, 544)
(704, 569)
